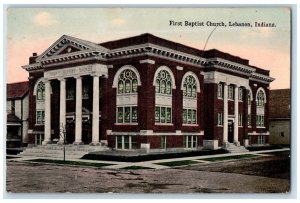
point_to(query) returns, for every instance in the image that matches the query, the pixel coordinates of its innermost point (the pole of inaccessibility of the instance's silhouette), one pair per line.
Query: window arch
(164, 73)
(130, 69)
(126, 80)
(260, 107)
(249, 100)
(39, 93)
(190, 87)
(260, 97)
(164, 82)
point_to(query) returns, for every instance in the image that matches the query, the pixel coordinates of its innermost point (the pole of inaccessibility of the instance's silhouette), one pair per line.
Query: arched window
(164, 83)
(260, 107)
(249, 99)
(190, 87)
(260, 98)
(40, 91)
(126, 81)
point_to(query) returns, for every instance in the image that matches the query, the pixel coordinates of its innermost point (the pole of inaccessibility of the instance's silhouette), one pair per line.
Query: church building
(145, 92)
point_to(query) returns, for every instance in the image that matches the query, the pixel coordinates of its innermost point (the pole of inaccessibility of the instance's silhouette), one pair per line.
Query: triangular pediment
(67, 44)
(68, 49)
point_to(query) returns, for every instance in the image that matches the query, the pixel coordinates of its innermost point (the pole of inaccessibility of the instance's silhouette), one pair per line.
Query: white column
(62, 109)
(95, 126)
(236, 116)
(225, 116)
(47, 128)
(78, 117)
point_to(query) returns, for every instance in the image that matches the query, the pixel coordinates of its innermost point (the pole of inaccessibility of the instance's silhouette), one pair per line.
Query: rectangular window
(240, 120)
(163, 142)
(120, 114)
(39, 138)
(240, 96)
(230, 92)
(260, 120)
(128, 114)
(119, 142)
(163, 115)
(157, 114)
(169, 115)
(40, 117)
(261, 139)
(220, 90)
(134, 114)
(194, 145)
(133, 142)
(125, 142)
(194, 117)
(190, 141)
(220, 119)
(189, 118)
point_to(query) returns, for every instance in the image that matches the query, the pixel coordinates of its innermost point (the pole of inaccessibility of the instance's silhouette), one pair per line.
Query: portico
(230, 94)
(235, 116)
(96, 71)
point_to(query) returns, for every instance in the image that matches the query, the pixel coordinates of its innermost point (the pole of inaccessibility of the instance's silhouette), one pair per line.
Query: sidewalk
(153, 163)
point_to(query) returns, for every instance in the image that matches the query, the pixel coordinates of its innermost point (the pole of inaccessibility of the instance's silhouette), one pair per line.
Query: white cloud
(44, 19)
(118, 21)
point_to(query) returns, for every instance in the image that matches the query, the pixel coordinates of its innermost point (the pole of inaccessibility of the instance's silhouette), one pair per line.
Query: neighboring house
(145, 92)
(280, 116)
(17, 114)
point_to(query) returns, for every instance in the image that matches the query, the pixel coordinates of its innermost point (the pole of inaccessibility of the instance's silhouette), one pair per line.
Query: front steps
(232, 148)
(56, 151)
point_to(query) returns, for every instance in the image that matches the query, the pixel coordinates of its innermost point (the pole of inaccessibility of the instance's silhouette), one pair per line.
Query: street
(269, 173)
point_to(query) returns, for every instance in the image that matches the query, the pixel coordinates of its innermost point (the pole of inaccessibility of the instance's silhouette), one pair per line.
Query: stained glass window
(163, 82)
(190, 87)
(128, 80)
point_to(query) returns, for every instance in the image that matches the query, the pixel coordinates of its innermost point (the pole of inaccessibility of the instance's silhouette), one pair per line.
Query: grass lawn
(178, 163)
(136, 167)
(74, 163)
(224, 158)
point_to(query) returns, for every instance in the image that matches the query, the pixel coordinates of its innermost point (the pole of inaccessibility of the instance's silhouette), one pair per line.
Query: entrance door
(230, 131)
(70, 133)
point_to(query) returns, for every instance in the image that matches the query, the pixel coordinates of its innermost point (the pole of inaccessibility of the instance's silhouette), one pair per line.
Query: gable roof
(280, 103)
(17, 90)
(83, 45)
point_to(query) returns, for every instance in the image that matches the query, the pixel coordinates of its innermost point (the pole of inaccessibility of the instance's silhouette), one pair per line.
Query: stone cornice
(51, 57)
(34, 66)
(261, 78)
(229, 65)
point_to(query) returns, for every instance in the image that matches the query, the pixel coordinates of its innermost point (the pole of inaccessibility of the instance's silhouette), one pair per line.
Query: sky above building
(35, 29)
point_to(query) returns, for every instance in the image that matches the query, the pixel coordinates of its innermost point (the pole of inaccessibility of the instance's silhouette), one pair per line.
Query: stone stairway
(56, 151)
(232, 148)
